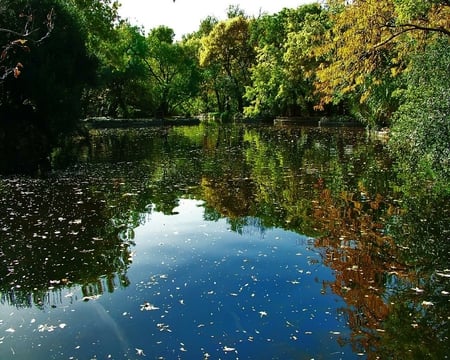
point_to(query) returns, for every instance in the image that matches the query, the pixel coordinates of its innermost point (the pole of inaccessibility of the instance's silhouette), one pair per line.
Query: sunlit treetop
(372, 38)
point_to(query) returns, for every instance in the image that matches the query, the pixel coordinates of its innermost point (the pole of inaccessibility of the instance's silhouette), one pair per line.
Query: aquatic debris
(140, 352)
(262, 313)
(148, 307)
(163, 327)
(417, 290)
(427, 303)
(445, 273)
(228, 349)
(91, 297)
(10, 330)
(45, 327)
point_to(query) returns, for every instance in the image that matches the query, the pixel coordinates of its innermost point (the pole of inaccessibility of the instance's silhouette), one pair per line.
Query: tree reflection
(364, 258)
(418, 324)
(340, 189)
(61, 232)
(388, 245)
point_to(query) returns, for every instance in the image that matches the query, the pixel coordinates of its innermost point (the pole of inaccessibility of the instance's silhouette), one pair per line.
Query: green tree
(267, 34)
(227, 48)
(98, 17)
(281, 78)
(266, 78)
(172, 71)
(421, 126)
(121, 89)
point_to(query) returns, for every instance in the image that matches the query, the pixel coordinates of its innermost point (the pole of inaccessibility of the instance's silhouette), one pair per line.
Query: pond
(223, 242)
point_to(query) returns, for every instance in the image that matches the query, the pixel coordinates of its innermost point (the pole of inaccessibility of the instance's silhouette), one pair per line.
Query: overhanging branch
(404, 28)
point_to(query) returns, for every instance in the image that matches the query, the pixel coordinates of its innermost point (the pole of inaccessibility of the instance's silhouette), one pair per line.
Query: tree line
(383, 62)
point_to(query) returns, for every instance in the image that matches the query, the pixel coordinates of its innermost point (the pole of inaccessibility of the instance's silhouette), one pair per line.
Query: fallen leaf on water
(148, 307)
(417, 290)
(140, 352)
(427, 303)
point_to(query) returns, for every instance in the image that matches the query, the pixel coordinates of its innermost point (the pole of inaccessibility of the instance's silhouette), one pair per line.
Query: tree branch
(410, 27)
(11, 32)
(23, 38)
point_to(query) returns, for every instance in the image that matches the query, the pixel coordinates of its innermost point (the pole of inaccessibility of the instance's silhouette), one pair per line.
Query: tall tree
(281, 77)
(120, 90)
(228, 47)
(172, 71)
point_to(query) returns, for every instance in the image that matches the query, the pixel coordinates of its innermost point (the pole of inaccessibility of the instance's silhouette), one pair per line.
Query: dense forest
(382, 62)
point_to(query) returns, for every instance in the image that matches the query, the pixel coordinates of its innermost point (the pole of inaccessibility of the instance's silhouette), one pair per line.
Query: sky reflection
(197, 290)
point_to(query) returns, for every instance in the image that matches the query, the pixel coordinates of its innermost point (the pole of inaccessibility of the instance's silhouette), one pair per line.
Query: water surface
(223, 242)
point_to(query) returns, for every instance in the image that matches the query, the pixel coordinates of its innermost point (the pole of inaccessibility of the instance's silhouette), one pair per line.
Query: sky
(184, 16)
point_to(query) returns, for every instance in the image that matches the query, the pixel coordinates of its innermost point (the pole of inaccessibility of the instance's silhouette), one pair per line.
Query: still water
(223, 243)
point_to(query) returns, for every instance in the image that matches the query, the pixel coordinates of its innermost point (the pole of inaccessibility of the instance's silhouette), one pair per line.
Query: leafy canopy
(372, 39)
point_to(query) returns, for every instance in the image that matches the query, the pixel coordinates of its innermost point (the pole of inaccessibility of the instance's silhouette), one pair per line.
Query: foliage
(281, 77)
(228, 47)
(42, 102)
(268, 34)
(172, 70)
(19, 41)
(120, 90)
(98, 17)
(355, 60)
(370, 41)
(266, 77)
(421, 130)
